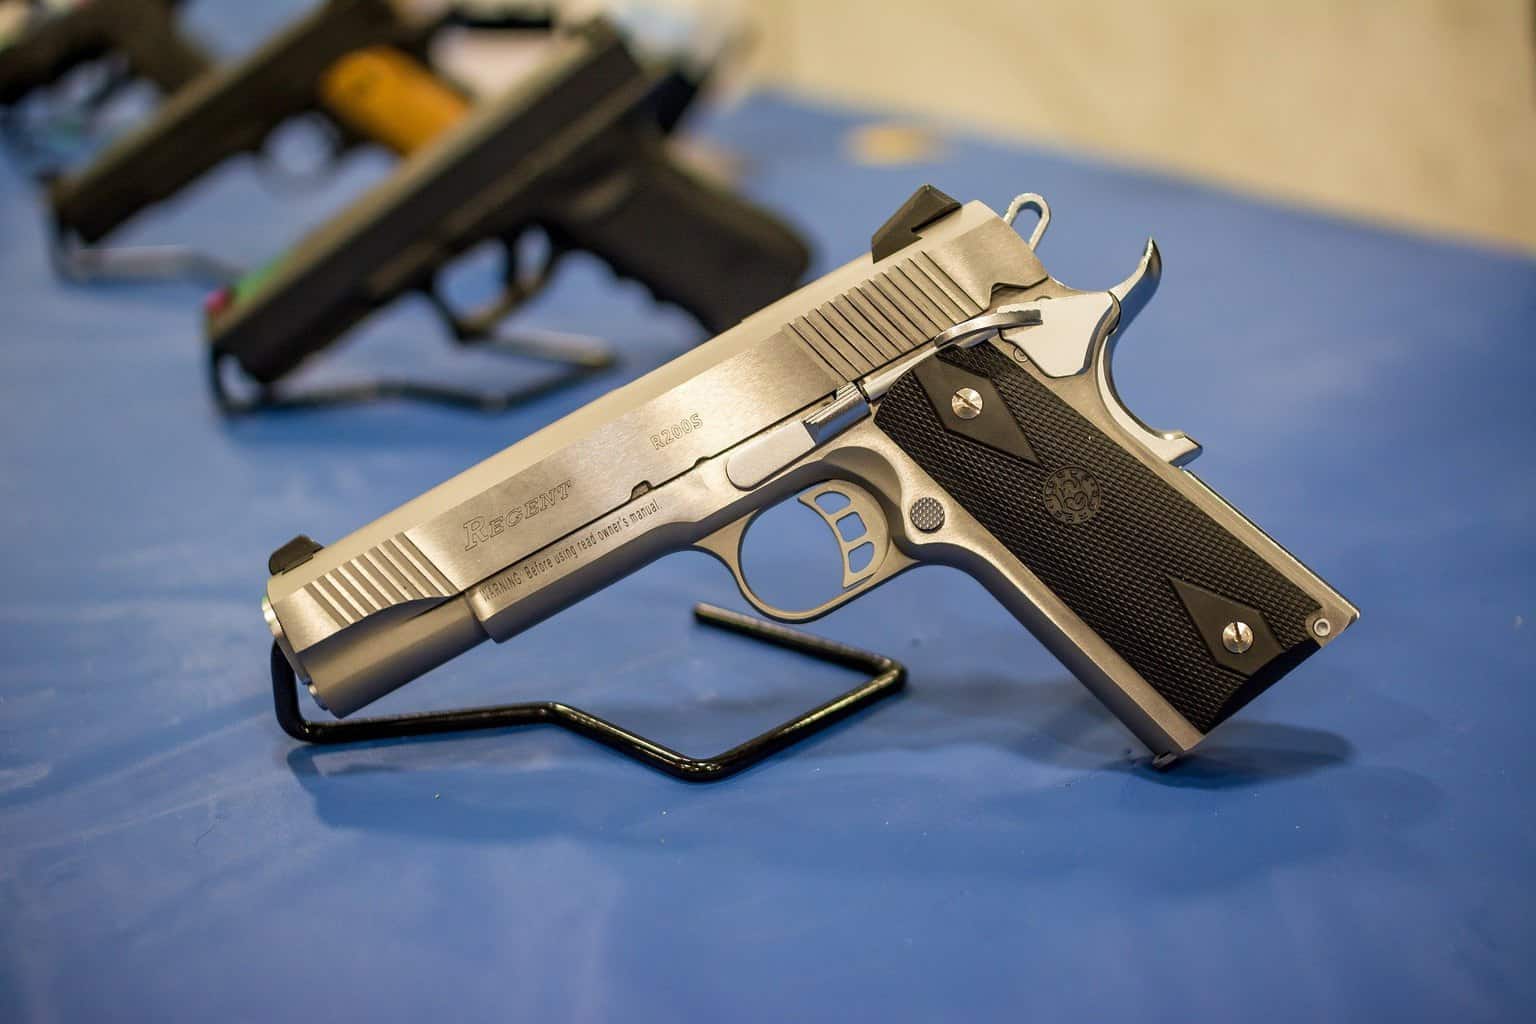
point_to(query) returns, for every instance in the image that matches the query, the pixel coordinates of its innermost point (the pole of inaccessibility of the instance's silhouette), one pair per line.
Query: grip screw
(1322, 627)
(967, 403)
(1237, 637)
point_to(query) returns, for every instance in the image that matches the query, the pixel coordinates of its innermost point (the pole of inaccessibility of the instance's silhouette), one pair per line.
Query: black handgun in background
(235, 109)
(574, 152)
(231, 110)
(143, 33)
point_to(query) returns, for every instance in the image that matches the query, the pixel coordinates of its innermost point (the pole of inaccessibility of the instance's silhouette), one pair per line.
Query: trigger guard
(726, 545)
(480, 322)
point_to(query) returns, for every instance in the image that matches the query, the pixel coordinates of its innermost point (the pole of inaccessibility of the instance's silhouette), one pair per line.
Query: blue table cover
(991, 845)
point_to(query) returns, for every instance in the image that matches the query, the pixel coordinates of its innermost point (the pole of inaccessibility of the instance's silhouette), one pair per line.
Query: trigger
(863, 536)
(855, 525)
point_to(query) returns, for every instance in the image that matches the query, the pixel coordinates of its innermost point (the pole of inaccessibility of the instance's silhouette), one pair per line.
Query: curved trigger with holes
(860, 532)
(863, 538)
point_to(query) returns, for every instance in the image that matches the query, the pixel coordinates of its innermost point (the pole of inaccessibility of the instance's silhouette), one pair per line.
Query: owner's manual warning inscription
(565, 552)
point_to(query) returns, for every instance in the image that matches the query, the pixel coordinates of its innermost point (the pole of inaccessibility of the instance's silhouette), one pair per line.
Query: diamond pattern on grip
(1113, 559)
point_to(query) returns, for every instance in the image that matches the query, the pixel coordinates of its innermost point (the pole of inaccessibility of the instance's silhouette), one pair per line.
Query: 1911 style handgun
(941, 400)
(576, 152)
(142, 33)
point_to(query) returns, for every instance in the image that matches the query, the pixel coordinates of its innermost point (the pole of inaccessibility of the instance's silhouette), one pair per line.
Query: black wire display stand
(886, 677)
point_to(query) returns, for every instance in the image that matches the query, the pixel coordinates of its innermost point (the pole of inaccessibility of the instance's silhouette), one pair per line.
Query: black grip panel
(692, 243)
(1154, 576)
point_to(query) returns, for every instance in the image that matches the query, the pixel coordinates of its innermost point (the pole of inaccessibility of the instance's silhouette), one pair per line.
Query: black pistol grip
(1154, 576)
(691, 242)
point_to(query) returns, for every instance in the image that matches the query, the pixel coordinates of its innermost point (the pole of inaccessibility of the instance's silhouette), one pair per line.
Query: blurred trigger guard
(874, 533)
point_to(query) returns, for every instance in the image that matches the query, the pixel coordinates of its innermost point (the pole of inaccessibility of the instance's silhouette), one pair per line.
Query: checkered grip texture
(1115, 567)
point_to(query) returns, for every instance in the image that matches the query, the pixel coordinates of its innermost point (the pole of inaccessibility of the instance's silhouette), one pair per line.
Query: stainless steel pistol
(940, 400)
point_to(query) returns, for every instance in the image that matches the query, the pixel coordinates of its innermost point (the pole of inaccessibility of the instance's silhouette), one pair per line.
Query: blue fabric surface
(1356, 845)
